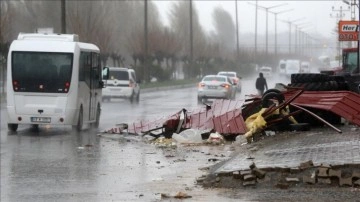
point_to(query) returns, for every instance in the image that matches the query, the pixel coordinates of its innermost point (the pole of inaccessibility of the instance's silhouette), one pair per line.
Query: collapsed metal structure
(227, 116)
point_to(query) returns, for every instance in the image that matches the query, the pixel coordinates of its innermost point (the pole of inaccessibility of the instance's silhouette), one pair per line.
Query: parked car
(216, 87)
(122, 83)
(235, 79)
(267, 71)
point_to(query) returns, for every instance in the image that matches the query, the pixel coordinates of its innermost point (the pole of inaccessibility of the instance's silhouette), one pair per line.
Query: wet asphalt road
(59, 164)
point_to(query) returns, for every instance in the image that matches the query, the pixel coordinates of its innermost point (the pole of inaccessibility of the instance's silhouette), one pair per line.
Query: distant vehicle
(216, 87)
(53, 79)
(267, 71)
(282, 67)
(304, 67)
(236, 80)
(292, 67)
(121, 83)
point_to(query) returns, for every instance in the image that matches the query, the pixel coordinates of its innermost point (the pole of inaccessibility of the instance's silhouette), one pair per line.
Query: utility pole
(339, 15)
(275, 14)
(145, 65)
(63, 17)
(297, 36)
(191, 37)
(237, 32)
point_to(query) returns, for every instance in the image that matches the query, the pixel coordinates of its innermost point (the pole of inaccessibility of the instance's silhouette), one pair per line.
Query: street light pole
(297, 35)
(290, 22)
(145, 65)
(267, 13)
(275, 14)
(63, 17)
(237, 32)
(191, 37)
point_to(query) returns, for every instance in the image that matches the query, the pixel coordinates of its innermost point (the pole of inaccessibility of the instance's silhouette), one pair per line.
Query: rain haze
(319, 16)
(97, 96)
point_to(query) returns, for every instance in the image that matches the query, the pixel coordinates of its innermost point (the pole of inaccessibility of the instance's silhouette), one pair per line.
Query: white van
(282, 67)
(53, 79)
(292, 67)
(121, 83)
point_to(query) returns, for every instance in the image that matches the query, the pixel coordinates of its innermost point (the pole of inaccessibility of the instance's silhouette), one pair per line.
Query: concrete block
(309, 179)
(324, 181)
(245, 172)
(307, 164)
(249, 177)
(345, 181)
(236, 175)
(259, 173)
(292, 179)
(323, 172)
(356, 174)
(295, 170)
(249, 183)
(335, 173)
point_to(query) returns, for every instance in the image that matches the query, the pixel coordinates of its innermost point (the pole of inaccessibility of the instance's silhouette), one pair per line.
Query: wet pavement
(290, 149)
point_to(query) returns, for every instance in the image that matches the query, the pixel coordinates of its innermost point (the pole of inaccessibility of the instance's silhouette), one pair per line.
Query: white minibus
(53, 79)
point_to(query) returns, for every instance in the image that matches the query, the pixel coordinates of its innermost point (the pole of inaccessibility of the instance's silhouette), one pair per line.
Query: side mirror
(105, 73)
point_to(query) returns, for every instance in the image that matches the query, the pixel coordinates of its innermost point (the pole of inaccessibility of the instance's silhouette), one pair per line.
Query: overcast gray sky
(316, 16)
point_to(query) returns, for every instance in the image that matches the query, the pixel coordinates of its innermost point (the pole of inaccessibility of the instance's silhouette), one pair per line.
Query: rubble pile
(306, 174)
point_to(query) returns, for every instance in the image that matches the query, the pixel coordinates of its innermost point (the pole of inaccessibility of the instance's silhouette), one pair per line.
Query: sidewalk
(290, 149)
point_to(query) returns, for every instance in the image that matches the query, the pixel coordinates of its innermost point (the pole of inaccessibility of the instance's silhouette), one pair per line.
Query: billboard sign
(348, 30)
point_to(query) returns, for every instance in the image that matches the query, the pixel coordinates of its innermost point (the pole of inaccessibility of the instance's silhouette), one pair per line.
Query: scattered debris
(215, 138)
(275, 111)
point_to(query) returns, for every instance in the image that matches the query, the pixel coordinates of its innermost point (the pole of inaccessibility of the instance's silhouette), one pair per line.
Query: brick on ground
(249, 177)
(323, 172)
(307, 164)
(345, 181)
(236, 175)
(259, 173)
(335, 173)
(309, 179)
(356, 174)
(324, 180)
(245, 172)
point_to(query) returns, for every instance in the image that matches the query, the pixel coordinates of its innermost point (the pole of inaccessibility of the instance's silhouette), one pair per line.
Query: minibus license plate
(41, 119)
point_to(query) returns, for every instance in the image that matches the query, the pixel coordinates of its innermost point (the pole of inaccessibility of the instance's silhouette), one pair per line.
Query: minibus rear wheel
(12, 127)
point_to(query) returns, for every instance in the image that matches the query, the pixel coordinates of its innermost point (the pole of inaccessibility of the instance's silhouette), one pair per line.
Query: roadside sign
(348, 30)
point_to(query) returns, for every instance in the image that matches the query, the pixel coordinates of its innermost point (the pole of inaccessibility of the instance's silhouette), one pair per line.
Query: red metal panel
(223, 116)
(343, 103)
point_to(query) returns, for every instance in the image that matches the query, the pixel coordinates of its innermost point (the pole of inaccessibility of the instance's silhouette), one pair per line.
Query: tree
(224, 30)
(92, 28)
(180, 24)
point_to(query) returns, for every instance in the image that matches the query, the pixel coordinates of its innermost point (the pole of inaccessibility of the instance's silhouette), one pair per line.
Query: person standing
(261, 84)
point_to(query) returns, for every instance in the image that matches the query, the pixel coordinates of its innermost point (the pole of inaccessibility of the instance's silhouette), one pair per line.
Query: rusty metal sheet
(223, 116)
(343, 103)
